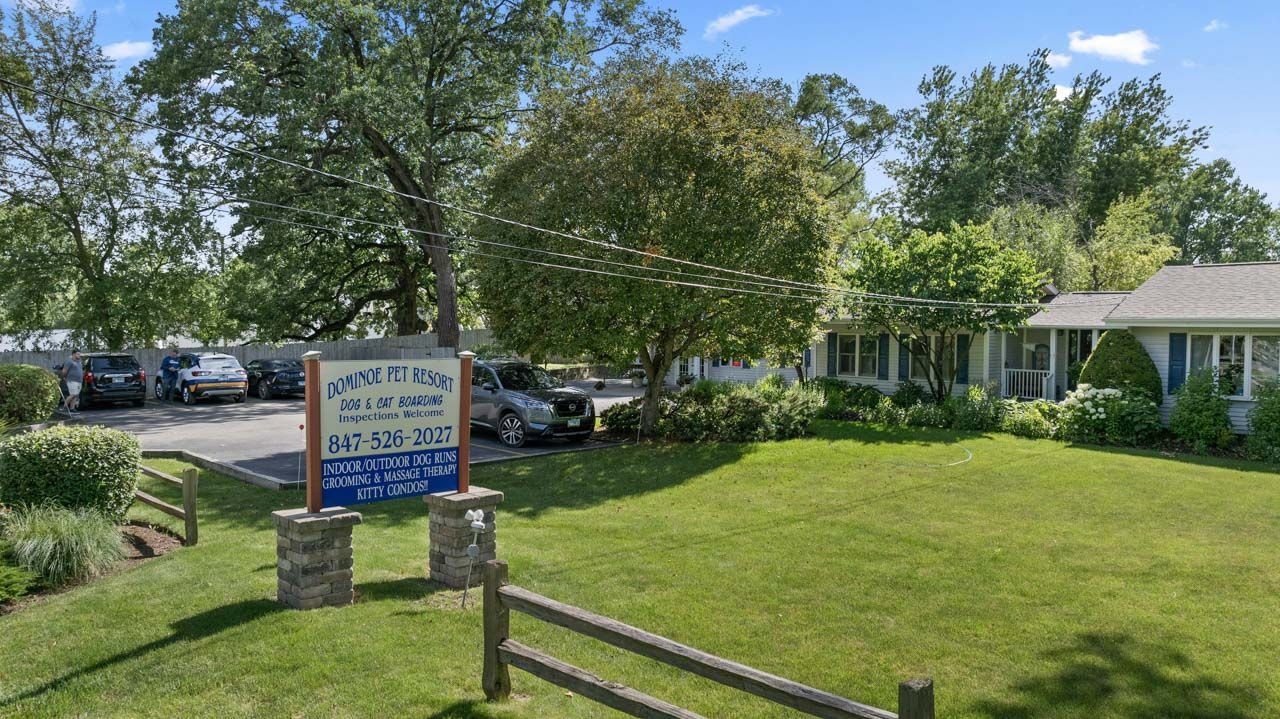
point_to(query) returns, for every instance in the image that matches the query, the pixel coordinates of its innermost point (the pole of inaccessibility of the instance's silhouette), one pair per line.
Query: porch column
(1094, 346)
(1052, 389)
(1004, 364)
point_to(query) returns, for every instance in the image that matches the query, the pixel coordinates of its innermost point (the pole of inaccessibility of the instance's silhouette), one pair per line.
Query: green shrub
(773, 383)
(1029, 419)
(1108, 416)
(74, 467)
(15, 582)
(926, 414)
(623, 417)
(1264, 422)
(740, 417)
(788, 416)
(726, 412)
(1201, 416)
(887, 412)
(843, 400)
(63, 545)
(978, 409)
(908, 393)
(27, 393)
(1121, 362)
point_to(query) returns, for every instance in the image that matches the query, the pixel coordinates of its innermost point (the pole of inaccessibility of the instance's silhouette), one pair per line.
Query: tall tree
(849, 130)
(1127, 249)
(400, 94)
(1213, 216)
(691, 160)
(87, 240)
(965, 266)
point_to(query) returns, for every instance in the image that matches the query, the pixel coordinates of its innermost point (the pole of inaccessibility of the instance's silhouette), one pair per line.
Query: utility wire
(477, 213)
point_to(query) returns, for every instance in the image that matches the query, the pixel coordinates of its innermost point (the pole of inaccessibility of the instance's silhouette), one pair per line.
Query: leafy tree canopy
(1214, 217)
(689, 159)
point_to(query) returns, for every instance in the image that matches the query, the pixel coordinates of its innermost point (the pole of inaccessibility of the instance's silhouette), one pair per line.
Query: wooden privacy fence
(187, 512)
(915, 697)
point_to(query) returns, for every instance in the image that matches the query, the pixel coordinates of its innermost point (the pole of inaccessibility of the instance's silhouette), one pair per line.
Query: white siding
(887, 386)
(1156, 341)
(749, 375)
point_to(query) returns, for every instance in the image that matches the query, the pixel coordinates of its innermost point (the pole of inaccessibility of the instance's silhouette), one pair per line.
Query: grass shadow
(464, 710)
(189, 629)
(407, 589)
(1113, 674)
(1232, 463)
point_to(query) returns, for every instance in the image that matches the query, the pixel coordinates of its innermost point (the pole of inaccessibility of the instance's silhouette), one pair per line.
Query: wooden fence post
(915, 699)
(497, 625)
(190, 482)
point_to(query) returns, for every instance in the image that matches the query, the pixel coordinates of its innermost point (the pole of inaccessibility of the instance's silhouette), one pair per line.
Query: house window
(1266, 359)
(1231, 364)
(868, 355)
(920, 358)
(1201, 352)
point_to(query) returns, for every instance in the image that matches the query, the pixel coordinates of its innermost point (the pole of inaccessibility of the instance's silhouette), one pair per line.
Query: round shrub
(1201, 416)
(979, 408)
(623, 417)
(15, 582)
(1264, 422)
(27, 393)
(789, 414)
(740, 417)
(1108, 416)
(75, 467)
(1121, 362)
(926, 414)
(909, 393)
(1029, 419)
(63, 545)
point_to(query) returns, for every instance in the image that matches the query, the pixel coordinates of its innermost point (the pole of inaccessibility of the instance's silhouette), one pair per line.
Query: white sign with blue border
(389, 429)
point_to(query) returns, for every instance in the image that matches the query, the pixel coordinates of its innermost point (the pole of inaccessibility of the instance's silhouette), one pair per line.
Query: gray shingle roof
(1205, 293)
(1077, 309)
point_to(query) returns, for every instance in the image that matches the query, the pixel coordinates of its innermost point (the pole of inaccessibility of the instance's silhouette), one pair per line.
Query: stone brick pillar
(451, 534)
(313, 557)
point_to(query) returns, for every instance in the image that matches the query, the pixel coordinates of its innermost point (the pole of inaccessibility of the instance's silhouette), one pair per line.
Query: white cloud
(1216, 25)
(1190, 64)
(1062, 92)
(1132, 46)
(727, 22)
(127, 50)
(118, 8)
(1057, 59)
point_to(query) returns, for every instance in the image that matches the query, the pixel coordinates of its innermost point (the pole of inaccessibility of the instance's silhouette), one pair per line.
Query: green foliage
(1049, 236)
(907, 393)
(62, 545)
(721, 153)
(1121, 362)
(15, 582)
(843, 399)
(926, 414)
(1214, 217)
(92, 237)
(75, 467)
(886, 412)
(1109, 416)
(726, 412)
(1035, 420)
(27, 393)
(978, 409)
(1127, 250)
(1201, 415)
(964, 265)
(1264, 422)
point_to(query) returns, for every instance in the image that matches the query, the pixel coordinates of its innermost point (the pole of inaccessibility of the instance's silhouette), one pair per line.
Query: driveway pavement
(266, 436)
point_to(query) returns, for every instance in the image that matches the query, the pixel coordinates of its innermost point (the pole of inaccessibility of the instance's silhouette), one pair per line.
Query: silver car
(521, 401)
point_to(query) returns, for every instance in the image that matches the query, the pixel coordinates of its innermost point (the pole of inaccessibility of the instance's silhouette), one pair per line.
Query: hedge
(1121, 362)
(27, 393)
(75, 467)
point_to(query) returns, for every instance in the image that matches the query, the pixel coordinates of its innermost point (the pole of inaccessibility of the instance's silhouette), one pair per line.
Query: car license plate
(117, 380)
(575, 423)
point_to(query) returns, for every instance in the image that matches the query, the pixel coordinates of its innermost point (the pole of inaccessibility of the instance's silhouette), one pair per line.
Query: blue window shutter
(833, 351)
(882, 365)
(904, 359)
(746, 363)
(715, 361)
(962, 359)
(1177, 360)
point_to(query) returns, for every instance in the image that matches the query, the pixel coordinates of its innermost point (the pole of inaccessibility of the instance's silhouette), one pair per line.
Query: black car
(276, 377)
(112, 377)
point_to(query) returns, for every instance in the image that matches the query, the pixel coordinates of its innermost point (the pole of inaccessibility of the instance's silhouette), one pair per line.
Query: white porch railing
(1027, 384)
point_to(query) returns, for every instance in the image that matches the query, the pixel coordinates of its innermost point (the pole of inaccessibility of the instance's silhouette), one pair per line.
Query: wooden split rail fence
(915, 697)
(187, 512)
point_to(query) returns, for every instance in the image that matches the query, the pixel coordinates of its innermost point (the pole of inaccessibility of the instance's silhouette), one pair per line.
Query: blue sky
(1217, 59)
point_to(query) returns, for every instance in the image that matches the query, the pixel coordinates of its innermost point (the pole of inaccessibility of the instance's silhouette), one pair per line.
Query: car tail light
(200, 373)
(88, 378)
(142, 376)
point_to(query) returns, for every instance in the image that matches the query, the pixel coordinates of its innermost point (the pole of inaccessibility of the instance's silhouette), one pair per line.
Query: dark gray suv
(521, 401)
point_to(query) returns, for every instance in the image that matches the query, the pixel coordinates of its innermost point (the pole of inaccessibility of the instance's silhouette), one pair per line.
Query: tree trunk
(406, 308)
(800, 378)
(656, 366)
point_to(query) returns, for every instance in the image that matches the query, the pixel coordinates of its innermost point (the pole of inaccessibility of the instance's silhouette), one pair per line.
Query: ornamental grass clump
(62, 545)
(1109, 416)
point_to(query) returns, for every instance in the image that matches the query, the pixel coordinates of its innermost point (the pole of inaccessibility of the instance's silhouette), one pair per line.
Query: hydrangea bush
(1108, 416)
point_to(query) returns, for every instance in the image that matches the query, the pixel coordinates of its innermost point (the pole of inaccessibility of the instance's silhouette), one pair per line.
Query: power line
(477, 213)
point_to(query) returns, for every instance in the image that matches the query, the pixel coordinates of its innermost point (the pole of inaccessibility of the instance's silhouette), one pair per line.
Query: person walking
(73, 374)
(169, 372)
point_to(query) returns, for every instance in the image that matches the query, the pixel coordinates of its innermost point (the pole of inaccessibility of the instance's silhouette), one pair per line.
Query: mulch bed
(142, 541)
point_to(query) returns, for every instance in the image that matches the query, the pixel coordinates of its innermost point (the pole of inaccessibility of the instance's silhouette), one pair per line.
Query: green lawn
(1037, 580)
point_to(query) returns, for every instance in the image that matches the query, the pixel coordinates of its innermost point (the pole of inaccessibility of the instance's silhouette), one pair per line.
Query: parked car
(207, 374)
(111, 377)
(276, 377)
(521, 401)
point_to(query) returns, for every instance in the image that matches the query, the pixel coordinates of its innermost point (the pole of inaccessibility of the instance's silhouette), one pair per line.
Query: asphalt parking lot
(265, 437)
